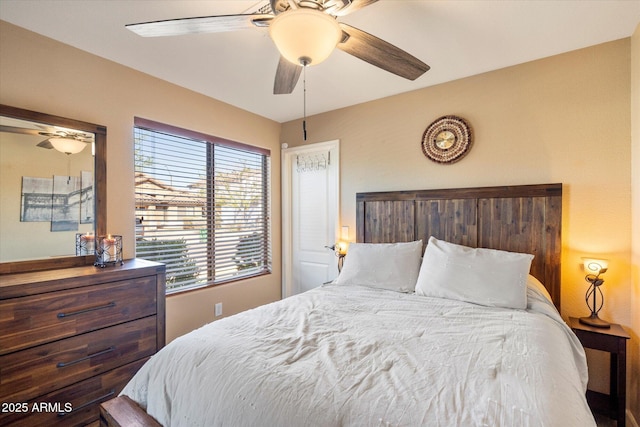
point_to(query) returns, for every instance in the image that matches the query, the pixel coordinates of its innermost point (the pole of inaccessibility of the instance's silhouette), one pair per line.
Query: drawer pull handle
(101, 398)
(73, 362)
(86, 310)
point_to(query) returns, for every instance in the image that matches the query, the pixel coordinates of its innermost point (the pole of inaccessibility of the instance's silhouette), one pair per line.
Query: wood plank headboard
(524, 218)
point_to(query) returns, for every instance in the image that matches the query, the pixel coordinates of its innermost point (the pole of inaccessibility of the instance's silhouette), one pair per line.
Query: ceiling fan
(64, 140)
(305, 33)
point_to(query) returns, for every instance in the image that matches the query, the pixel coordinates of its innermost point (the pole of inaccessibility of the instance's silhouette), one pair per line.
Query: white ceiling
(456, 38)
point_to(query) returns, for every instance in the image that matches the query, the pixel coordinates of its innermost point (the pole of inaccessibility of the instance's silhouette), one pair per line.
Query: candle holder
(85, 244)
(108, 250)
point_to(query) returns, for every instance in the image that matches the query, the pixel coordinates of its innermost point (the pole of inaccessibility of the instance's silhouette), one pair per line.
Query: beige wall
(43, 75)
(634, 353)
(561, 119)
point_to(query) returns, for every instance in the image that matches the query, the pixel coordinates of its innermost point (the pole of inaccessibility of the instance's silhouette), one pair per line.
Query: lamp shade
(305, 36)
(341, 248)
(594, 266)
(67, 145)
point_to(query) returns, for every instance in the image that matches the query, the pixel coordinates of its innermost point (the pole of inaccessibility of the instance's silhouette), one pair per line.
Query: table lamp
(594, 268)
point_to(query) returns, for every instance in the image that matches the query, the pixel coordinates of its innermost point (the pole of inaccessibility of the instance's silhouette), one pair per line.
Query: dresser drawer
(35, 371)
(38, 319)
(82, 398)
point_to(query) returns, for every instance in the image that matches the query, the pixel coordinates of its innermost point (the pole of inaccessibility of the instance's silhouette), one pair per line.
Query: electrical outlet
(218, 309)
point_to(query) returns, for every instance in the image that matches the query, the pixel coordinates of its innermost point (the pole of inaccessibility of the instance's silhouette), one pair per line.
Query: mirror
(52, 188)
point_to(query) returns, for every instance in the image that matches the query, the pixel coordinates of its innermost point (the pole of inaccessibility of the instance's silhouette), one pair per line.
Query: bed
(402, 337)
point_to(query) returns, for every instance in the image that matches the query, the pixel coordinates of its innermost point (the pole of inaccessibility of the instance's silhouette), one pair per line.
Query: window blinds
(202, 205)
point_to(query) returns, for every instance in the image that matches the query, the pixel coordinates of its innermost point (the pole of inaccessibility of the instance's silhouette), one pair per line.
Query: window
(202, 205)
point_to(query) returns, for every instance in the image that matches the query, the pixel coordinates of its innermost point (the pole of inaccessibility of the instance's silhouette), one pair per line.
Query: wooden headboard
(524, 218)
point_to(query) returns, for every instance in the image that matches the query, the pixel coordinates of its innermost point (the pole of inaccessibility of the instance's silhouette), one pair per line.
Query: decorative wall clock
(447, 140)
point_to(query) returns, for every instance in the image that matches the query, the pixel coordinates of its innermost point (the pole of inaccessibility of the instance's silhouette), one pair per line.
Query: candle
(87, 244)
(109, 249)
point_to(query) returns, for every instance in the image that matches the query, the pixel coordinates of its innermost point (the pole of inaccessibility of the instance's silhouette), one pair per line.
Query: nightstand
(614, 341)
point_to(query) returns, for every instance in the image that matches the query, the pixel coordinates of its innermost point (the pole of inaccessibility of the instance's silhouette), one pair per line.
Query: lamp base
(595, 321)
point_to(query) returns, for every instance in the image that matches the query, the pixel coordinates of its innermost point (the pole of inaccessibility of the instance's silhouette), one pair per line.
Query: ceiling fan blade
(355, 5)
(204, 24)
(383, 55)
(25, 131)
(287, 76)
(45, 144)
(15, 129)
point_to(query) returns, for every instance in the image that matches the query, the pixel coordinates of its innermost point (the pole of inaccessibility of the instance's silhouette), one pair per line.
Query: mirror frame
(100, 182)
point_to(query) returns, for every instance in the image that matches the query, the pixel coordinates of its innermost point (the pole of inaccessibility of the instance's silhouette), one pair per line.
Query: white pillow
(393, 266)
(482, 276)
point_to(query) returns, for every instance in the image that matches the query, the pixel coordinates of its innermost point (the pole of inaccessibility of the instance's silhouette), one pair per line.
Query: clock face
(447, 139)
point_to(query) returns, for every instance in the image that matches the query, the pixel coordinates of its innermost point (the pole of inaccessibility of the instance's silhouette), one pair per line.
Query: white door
(310, 215)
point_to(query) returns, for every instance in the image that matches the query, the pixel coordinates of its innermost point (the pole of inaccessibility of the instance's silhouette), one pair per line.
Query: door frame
(287, 161)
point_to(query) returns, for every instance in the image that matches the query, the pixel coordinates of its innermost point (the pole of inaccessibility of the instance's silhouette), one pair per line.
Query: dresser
(72, 338)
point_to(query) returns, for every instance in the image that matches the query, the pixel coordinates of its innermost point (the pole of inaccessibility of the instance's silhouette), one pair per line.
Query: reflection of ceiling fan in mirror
(305, 33)
(66, 141)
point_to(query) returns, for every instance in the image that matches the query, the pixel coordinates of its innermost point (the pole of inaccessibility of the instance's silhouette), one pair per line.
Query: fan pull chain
(304, 101)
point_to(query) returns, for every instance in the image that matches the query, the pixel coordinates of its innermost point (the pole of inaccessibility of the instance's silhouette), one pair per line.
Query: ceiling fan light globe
(305, 35)
(67, 145)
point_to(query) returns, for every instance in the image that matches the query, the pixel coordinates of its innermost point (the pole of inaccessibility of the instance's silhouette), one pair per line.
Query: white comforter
(358, 356)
